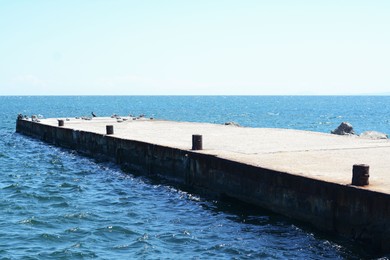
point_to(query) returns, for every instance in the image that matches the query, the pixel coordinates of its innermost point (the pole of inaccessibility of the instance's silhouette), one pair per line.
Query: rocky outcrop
(232, 123)
(373, 135)
(344, 128)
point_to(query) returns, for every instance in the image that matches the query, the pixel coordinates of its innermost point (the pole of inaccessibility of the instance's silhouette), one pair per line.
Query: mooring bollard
(109, 129)
(360, 174)
(60, 122)
(197, 142)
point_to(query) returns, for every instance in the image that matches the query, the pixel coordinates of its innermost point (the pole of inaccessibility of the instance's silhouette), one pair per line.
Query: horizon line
(215, 95)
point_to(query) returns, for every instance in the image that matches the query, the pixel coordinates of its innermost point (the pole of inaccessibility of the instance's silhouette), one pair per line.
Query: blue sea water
(56, 204)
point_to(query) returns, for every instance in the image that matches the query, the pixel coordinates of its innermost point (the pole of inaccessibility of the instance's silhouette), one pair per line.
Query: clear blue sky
(172, 47)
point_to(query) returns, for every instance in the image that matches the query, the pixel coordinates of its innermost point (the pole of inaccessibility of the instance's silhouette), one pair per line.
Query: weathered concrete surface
(304, 175)
(317, 155)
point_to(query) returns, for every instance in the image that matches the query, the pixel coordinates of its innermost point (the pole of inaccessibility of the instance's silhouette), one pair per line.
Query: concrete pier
(303, 175)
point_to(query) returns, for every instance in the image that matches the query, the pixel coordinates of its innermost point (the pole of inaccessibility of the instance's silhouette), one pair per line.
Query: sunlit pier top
(321, 156)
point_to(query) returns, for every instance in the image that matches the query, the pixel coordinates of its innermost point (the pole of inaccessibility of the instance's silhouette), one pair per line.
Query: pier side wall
(341, 209)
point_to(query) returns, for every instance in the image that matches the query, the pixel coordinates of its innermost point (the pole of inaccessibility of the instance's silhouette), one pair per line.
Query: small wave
(50, 237)
(144, 237)
(70, 186)
(32, 221)
(183, 237)
(140, 244)
(60, 205)
(71, 230)
(77, 230)
(68, 253)
(122, 246)
(272, 114)
(78, 215)
(11, 186)
(217, 247)
(117, 230)
(46, 198)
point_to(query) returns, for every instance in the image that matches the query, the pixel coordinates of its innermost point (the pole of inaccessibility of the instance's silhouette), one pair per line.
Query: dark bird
(93, 114)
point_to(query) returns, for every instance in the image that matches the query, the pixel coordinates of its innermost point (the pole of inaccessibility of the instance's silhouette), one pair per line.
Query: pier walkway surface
(314, 155)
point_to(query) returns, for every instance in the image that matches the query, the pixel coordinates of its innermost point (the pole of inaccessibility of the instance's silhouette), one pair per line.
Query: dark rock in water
(344, 128)
(373, 135)
(232, 123)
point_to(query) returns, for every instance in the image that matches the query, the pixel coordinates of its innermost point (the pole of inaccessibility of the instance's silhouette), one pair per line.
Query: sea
(57, 204)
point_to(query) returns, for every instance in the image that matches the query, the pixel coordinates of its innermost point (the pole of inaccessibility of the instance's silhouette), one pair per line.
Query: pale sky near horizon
(212, 47)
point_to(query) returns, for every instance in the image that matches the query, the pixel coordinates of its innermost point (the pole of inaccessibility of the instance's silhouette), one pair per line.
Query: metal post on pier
(197, 143)
(109, 129)
(360, 174)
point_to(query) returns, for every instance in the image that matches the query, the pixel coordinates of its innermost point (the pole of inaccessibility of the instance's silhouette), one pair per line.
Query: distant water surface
(56, 204)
